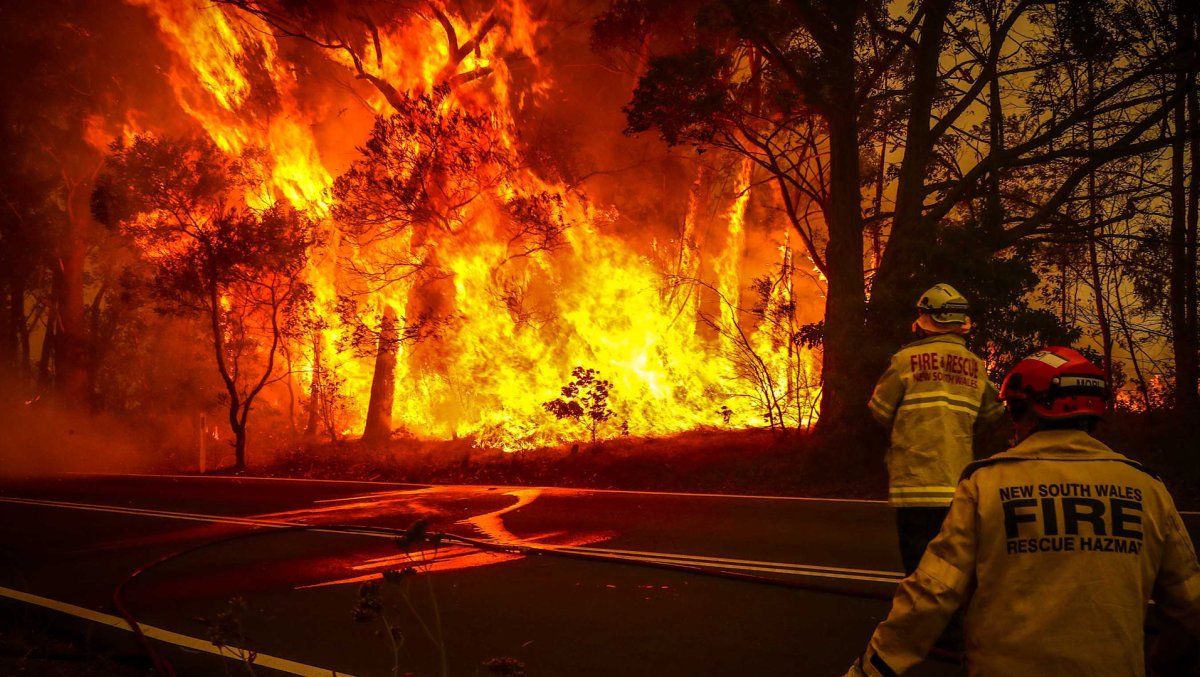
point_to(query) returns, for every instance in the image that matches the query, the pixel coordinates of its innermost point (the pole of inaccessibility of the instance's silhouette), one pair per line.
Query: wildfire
(514, 325)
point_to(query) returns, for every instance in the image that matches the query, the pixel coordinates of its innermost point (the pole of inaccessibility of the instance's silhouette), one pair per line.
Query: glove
(855, 669)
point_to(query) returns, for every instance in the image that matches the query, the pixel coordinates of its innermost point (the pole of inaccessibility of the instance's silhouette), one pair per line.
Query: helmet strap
(931, 326)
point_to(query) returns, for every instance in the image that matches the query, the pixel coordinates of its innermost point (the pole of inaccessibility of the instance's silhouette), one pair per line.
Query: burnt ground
(709, 461)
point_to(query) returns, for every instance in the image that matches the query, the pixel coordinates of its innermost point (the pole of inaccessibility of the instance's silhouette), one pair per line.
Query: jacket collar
(939, 338)
(1062, 444)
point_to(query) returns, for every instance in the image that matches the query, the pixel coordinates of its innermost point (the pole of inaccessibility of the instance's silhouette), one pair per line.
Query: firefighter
(931, 395)
(1059, 543)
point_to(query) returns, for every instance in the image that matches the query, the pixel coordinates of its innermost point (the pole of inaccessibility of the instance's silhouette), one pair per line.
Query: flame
(519, 325)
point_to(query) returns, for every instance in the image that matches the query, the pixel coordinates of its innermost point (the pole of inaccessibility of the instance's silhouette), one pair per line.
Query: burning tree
(214, 257)
(424, 174)
(765, 348)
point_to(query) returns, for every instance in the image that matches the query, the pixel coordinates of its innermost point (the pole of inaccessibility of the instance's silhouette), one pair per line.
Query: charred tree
(72, 376)
(314, 388)
(420, 177)
(378, 426)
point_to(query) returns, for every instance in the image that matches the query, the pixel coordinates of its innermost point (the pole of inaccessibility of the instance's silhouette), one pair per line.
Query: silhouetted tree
(800, 87)
(584, 400)
(63, 86)
(212, 256)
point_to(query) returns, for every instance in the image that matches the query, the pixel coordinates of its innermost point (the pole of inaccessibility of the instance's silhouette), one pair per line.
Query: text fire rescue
(1054, 513)
(957, 369)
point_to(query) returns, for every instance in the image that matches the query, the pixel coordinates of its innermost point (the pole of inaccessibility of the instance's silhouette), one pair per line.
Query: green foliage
(1007, 326)
(584, 400)
(684, 96)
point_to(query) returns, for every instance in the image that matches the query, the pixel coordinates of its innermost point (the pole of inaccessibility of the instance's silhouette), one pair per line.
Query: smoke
(44, 439)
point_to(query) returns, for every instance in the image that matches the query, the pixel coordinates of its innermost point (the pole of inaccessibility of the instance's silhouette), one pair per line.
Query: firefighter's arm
(990, 407)
(889, 392)
(1177, 587)
(926, 600)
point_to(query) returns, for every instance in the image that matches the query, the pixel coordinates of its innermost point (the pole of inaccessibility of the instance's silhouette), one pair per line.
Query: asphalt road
(609, 583)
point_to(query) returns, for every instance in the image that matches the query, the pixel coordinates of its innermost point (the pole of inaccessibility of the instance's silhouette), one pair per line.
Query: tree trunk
(378, 427)
(1123, 323)
(10, 356)
(900, 271)
(50, 340)
(1190, 374)
(71, 351)
(846, 384)
(315, 391)
(1106, 339)
(24, 351)
(1098, 292)
(1184, 345)
(993, 210)
(239, 439)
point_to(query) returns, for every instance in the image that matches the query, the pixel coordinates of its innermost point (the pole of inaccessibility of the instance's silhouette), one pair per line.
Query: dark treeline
(1040, 155)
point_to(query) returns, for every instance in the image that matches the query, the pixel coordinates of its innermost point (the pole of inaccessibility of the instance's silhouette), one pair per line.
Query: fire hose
(163, 667)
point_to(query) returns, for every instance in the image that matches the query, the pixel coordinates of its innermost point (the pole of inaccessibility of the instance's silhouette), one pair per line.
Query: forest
(252, 225)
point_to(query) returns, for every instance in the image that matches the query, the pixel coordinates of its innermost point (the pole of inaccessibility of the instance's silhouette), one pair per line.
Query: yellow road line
(265, 660)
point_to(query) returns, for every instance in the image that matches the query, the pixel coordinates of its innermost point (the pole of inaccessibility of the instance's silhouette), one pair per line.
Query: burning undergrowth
(703, 461)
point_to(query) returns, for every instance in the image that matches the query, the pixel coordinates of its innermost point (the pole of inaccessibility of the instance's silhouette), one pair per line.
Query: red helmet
(1056, 383)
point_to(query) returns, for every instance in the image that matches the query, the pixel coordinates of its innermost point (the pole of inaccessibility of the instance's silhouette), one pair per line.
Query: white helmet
(943, 310)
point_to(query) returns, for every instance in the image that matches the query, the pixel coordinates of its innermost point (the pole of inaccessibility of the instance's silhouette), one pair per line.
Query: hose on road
(417, 534)
(844, 589)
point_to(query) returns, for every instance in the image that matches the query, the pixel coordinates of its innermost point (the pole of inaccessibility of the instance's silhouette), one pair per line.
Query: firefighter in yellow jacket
(1055, 547)
(931, 395)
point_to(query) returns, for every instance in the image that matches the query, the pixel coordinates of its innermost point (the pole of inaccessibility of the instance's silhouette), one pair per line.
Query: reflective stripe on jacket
(1059, 544)
(931, 394)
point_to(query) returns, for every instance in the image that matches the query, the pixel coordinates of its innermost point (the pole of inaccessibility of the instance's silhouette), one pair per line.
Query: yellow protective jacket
(931, 395)
(1055, 546)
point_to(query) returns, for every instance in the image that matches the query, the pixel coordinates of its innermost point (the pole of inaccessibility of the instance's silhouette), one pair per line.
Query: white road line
(816, 499)
(193, 517)
(890, 575)
(886, 578)
(194, 643)
(629, 555)
(565, 489)
(742, 565)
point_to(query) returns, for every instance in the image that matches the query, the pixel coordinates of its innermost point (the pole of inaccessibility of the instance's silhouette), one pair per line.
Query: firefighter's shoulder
(999, 459)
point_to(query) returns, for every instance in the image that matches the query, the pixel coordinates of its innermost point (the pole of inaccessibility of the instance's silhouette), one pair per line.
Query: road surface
(608, 583)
